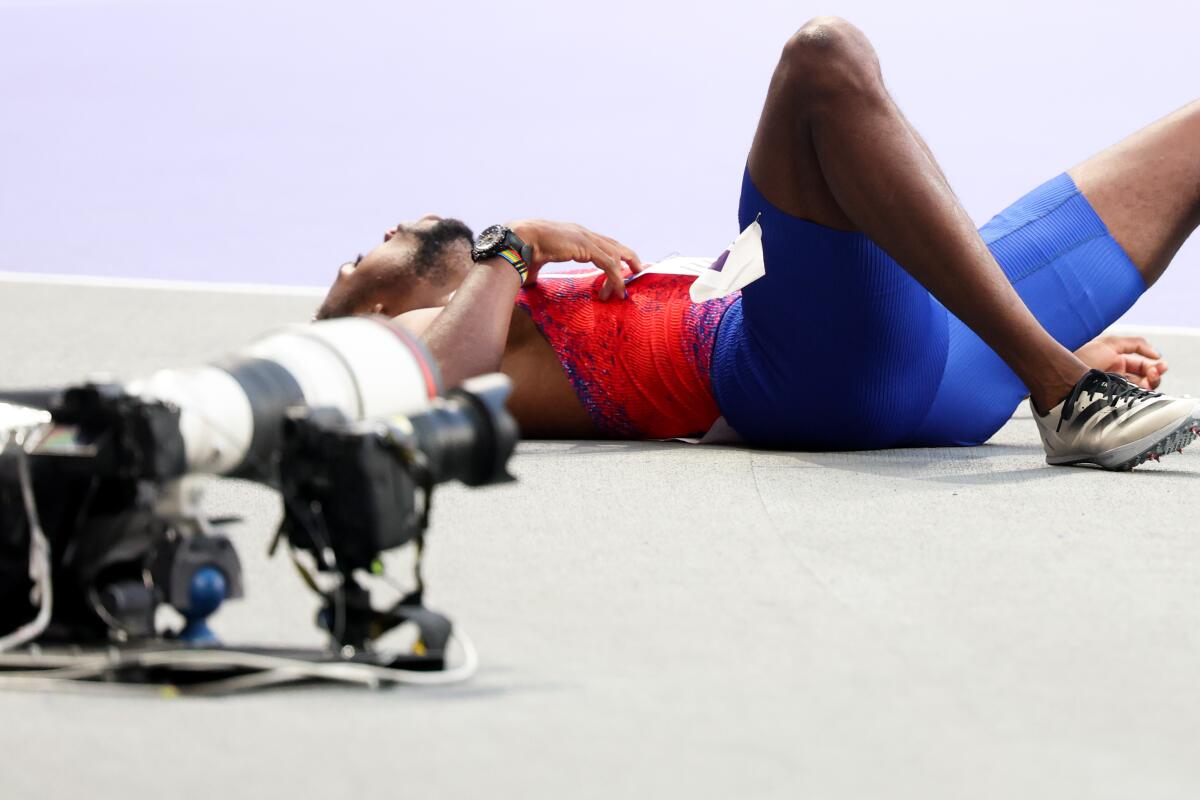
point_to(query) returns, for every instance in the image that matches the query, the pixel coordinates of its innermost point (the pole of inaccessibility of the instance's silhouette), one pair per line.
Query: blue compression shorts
(838, 348)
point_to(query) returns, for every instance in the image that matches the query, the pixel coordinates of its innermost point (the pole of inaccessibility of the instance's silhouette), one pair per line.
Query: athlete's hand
(1132, 357)
(556, 242)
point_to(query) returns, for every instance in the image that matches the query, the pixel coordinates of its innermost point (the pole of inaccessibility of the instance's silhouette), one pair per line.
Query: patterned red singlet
(640, 366)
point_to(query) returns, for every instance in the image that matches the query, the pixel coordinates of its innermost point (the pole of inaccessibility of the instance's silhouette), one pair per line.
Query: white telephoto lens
(232, 411)
(16, 421)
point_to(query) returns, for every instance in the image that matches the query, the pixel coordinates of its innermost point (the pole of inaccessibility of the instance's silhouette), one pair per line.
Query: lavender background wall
(266, 142)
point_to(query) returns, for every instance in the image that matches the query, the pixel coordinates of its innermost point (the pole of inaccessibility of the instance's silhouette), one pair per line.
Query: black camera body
(350, 482)
(371, 482)
(99, 474)
(100, 491)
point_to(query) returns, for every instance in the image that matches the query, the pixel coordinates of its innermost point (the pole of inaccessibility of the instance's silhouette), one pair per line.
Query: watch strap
(511, 240)
(514, 257)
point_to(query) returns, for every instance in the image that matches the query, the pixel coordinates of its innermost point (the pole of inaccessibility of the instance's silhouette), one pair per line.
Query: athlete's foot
(1108, 421)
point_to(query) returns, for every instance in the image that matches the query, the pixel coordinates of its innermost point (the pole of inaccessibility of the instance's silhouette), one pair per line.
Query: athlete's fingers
(614, 283)
(1135, 344)
(1153, 375)
(631, 258)
(603, 255)
(1148, 371)
(609, 245)
(627, 254)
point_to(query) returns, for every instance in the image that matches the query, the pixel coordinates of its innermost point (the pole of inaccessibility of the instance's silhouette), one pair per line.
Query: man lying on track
(884, 318)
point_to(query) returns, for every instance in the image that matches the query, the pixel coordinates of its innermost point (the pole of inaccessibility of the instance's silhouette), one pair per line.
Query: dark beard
(431, 246)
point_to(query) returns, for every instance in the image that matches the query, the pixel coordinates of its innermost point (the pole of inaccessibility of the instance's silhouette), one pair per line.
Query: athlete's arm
(467, 338)
(418, 320)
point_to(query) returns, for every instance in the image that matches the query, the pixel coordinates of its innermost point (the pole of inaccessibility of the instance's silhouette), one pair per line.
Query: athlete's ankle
(1052, 390)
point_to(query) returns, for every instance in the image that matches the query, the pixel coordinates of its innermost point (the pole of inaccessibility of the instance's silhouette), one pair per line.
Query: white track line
(1153, 330)
(160, 285)
(317, 291)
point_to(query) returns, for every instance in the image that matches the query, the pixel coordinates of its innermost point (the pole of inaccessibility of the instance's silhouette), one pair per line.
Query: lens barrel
(469, 435)
(232, 411)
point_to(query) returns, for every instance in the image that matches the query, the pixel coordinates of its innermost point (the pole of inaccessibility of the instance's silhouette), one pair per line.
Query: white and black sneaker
(1107, 420)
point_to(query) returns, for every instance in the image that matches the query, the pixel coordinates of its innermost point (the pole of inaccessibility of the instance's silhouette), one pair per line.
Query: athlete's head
(418, 265)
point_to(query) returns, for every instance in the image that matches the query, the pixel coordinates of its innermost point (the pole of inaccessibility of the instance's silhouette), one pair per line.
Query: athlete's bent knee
(829, 57)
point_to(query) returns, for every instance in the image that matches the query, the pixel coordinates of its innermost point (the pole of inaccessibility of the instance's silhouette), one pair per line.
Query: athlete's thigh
(1146, 188)
(783, 163)
(829, 297)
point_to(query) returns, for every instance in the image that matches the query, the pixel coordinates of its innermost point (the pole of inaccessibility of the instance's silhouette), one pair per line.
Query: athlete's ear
(377, 308)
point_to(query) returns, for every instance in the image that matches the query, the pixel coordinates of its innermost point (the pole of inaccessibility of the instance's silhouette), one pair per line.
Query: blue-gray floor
(667, 620)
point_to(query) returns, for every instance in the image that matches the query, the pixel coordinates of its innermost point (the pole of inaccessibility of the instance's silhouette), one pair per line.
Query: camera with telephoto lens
(100, 523)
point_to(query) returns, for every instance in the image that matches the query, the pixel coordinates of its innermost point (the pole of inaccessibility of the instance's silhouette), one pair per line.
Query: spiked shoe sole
(1170, 439)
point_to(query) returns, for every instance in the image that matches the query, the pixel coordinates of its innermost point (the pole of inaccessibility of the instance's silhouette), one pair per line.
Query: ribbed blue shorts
(838, 348)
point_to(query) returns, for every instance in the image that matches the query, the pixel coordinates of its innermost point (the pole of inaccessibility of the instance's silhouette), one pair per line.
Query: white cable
(28, 682)
(273, 670)
(355, 672)
(42, 594)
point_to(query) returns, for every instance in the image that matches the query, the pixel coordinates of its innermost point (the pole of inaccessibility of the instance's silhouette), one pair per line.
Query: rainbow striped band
(513, 257)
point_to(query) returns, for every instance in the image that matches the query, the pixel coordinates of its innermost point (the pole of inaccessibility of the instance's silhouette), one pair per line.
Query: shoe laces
(1114, 388)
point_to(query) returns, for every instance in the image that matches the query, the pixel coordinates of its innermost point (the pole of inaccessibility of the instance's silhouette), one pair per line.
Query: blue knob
(206, 591)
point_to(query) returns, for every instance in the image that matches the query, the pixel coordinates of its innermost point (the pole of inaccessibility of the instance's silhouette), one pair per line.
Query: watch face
(490, 238)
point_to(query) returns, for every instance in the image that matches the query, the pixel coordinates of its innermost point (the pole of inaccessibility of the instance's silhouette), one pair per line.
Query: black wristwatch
(497, 239)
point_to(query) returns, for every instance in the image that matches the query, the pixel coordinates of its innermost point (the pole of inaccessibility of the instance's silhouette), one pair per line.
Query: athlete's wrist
(513, 257)
(505, 272)
(528, 231)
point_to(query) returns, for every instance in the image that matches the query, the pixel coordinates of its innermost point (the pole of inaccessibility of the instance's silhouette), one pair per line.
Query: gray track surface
(674, 621)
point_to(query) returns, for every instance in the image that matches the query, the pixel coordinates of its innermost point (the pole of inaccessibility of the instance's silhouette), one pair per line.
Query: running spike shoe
(1108, 421)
